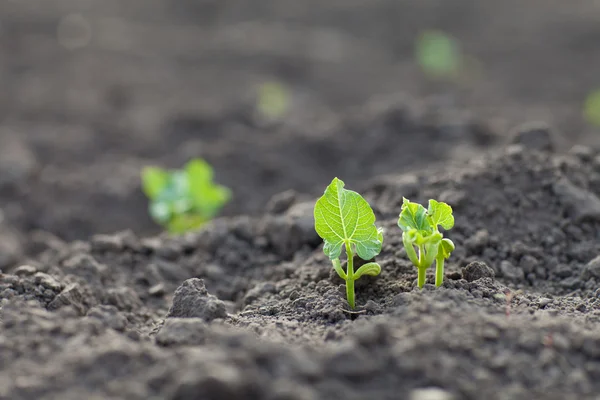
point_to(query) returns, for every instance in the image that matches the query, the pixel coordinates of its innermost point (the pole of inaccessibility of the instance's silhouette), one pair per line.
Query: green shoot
(438, 54)
(344, 219)
(591, 109)
(183, 200)
(423, 241)
(273, 100)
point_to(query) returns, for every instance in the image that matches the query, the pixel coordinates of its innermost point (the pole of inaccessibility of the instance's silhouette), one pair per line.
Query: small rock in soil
(477, 270)
(534, 136)
(192, 300)
(17, 161)
(430, 394)
(592, 269)
(124, 298)
(281, 202)
(258, 290)
(109, 316)
(584, 153)
(509, 271)
(47, 281)
(182, 332)
(580, 204)
(70, 296)
(478, 241)
(289, 232)
(102, 243)
(25, 270)
(11, 249)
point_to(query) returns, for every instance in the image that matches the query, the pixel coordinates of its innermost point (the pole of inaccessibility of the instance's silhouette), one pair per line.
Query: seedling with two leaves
(344, 219)
(423, 241)
(185, 199)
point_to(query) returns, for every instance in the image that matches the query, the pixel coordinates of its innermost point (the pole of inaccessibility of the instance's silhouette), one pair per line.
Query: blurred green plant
(183, 200)
(438, 54)
(273, 100)
(591, 108)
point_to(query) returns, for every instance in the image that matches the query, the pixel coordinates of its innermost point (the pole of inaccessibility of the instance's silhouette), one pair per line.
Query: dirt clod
(477, 270)
(191, 300)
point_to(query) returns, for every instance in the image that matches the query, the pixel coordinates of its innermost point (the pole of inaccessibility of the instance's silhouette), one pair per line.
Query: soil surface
(249, 307)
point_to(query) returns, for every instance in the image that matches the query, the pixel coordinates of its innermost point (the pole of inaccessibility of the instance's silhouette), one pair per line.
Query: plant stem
(439, 271)
(421, 276)
(350, 276)
(338, 268)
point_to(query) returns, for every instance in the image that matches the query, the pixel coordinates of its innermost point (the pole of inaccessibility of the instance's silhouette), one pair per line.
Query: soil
(249, 307)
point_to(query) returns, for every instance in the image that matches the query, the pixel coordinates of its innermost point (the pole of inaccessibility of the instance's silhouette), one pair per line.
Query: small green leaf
(273, 100)
(413, 216)
(591, 108)
(208, 198)
(371, 269)
(160, 211)
(438, 54)
(343, 216)
(154, 180)
(440, 214)
(445, 249)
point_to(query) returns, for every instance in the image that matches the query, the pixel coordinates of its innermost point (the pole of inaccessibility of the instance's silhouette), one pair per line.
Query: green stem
(410, 250)
(350, 292)
(421, 256)
(338, 268)
(422, 267)
(350, 276)
(439, 271)
(421, 276)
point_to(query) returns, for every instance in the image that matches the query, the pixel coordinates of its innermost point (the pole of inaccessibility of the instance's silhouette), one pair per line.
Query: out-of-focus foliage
(591, 108)
(183, 200)
(273, 100)
(438, 54)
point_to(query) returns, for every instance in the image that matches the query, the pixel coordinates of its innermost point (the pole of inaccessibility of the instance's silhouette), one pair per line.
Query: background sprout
(591, 108)
(183, 200)
(438, 54)
(273, 100)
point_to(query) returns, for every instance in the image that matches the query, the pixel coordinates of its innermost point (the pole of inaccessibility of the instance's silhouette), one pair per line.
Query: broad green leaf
(343, 216)
(372, 269)
(440, 214)
(413, 216)
(445, 249)
(154, 180)
(208, 198)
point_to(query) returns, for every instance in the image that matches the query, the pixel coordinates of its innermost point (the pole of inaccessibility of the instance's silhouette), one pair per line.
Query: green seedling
(183, 200)
(273, 100)
(423, 241)
(438, 54)
(591, 108)
(344, 219)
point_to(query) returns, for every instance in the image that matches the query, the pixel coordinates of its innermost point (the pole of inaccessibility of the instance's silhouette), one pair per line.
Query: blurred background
(274, 94)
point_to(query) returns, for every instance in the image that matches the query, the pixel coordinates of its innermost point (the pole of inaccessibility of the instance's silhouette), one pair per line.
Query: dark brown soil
(249, 307)
(92, 315)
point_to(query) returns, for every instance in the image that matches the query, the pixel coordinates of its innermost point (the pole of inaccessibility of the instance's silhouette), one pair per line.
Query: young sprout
(344, 219)
(420, 231)
(183, 200)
